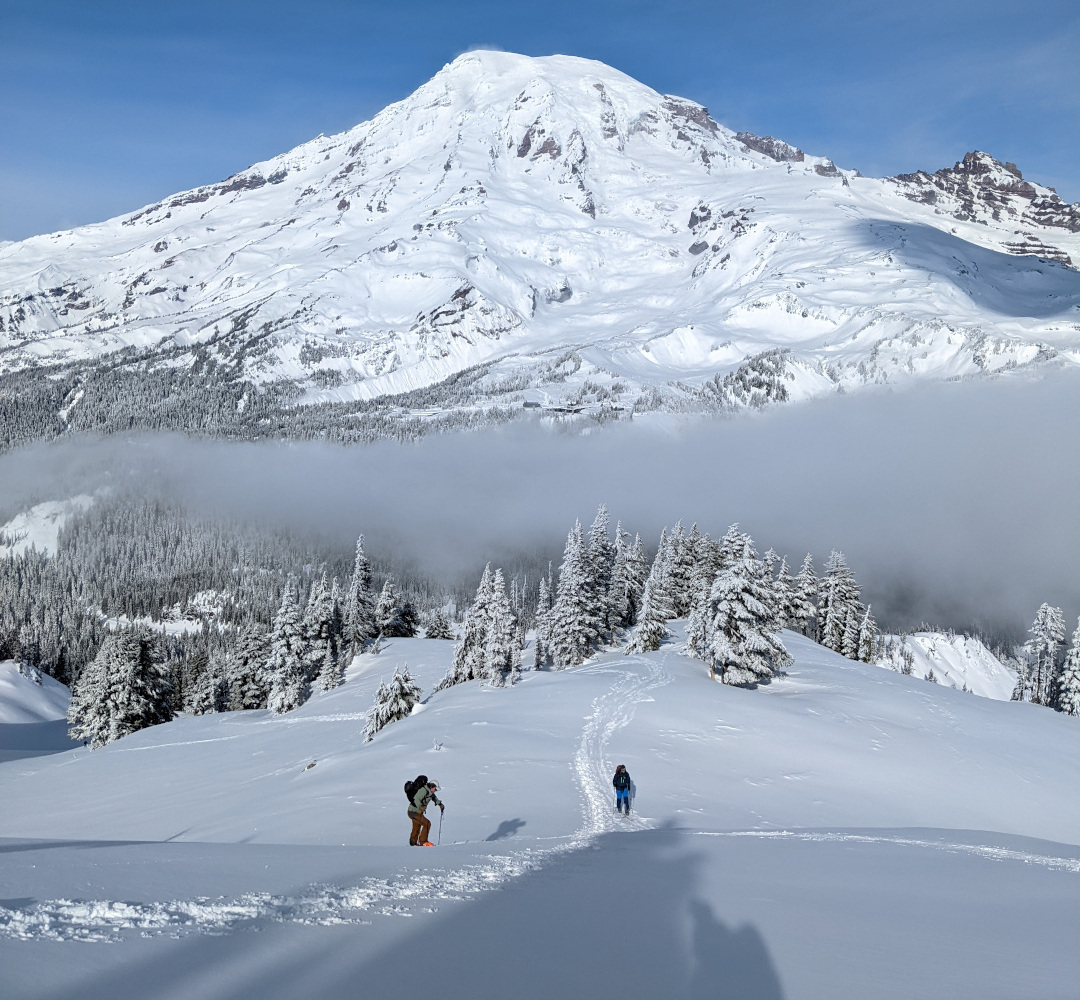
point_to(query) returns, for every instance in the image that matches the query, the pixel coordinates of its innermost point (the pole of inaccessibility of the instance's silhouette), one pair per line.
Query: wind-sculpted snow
(542, 231)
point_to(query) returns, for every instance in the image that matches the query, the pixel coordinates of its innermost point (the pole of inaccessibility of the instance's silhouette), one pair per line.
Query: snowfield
(843, 832)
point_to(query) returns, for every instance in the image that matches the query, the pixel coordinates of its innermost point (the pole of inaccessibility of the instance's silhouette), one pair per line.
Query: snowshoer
(621, 781)
(423, 792)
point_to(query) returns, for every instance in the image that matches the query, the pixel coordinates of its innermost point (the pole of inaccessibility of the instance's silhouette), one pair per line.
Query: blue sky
(108, 105)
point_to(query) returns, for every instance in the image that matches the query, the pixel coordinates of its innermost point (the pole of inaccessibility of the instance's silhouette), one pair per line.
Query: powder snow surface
(844, 832)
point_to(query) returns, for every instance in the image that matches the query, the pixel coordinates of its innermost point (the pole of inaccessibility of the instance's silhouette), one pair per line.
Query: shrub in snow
(393, 701)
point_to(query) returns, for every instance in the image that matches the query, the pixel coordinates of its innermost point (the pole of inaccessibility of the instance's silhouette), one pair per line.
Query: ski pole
(440, 827)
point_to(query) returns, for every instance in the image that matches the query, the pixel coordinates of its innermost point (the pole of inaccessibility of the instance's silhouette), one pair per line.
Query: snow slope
(957, 661)
(33, 713)
(844, 832)
(39, 527)
(587, 237)
(30, 696)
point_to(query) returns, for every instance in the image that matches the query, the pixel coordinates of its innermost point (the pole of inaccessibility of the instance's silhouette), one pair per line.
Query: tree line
(147, 611)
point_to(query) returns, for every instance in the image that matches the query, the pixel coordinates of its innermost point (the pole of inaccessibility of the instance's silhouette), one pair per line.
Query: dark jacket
(621, 781)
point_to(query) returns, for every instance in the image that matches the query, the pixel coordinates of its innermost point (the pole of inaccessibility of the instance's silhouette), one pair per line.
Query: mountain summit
(553, 232)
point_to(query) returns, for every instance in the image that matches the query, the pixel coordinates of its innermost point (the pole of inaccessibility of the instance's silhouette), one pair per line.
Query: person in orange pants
(421, 825)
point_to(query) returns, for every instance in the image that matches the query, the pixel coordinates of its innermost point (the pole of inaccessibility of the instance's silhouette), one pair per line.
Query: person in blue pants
(621, 781)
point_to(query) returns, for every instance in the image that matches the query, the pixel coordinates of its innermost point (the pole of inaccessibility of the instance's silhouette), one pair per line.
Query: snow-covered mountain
(580, 237)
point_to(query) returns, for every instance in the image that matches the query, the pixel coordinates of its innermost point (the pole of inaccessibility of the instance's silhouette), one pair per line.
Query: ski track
(322, 905)
(978, 850)
(421, 891)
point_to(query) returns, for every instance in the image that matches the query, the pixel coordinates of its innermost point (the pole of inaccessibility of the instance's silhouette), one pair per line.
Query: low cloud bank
(953, 503)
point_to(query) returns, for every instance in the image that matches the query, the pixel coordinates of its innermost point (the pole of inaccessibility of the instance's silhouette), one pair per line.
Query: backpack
(412, 787)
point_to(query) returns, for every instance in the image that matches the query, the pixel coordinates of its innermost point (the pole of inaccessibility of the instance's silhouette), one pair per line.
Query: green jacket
(420, 801)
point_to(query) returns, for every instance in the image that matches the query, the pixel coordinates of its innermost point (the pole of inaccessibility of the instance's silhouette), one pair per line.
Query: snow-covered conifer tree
(394, 700)
(838, 599)
(286, 664)
(331, 670)
(744, 644)
(211, 690)
(849, 644)
(785, 593)
(145, 694)
(656, 606)
(90, 707)
(319, 630)
(543, 623)
(438, 626)
(633, 571)
(121, 691)
(868, 631)
(469, 657)
(804, 595)
(248, 682)
(1048, 633)
(600, 566)
(768, 564)
(501, 652)
(359, 606)
(680, 569)
(394, 616)
(575, 621)
(1069, 684)
(698, 622)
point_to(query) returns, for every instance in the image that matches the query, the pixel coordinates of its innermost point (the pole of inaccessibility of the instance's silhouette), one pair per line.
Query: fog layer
(954, 503)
